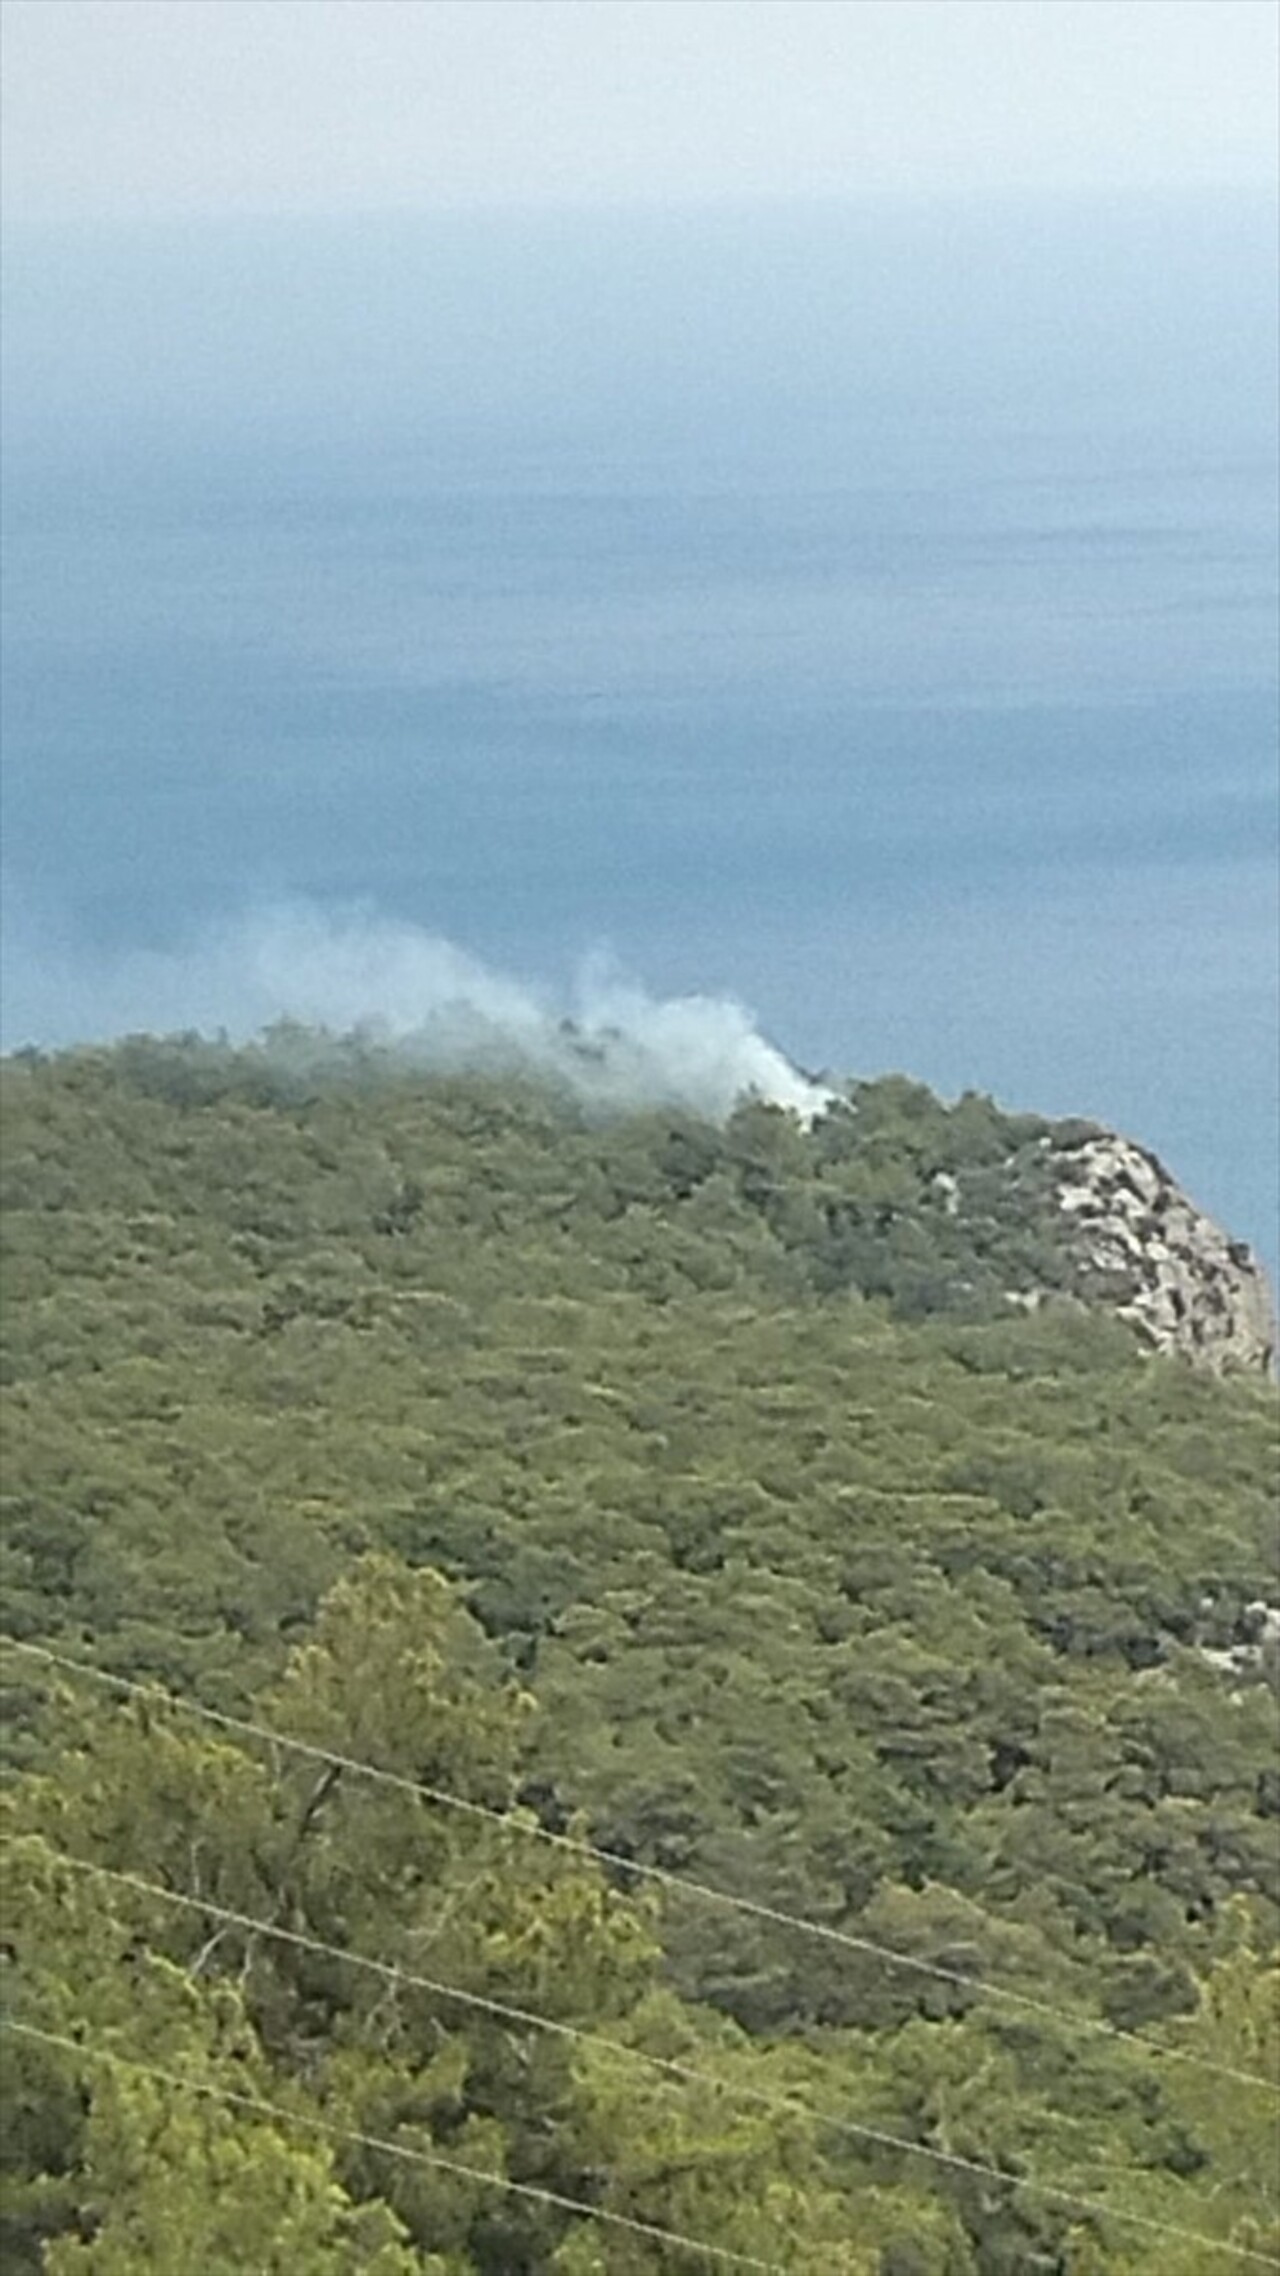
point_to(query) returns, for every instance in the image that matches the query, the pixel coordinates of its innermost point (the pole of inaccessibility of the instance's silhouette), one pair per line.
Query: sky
(122, 109)
(252, 446)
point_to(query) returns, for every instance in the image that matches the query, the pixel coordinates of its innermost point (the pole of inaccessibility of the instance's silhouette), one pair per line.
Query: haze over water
(864, 611)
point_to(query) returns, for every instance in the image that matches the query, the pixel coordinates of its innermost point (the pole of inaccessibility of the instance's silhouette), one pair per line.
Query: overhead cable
(407, 1979)
(1069, 2197)
(615, 1862)
(327, 2126)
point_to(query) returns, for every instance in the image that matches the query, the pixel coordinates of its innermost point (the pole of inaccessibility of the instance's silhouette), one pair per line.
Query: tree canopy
(693, 1493)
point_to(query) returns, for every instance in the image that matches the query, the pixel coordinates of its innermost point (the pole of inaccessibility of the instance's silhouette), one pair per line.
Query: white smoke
(611, 1042)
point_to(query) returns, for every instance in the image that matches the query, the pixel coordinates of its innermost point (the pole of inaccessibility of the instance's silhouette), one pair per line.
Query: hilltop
(837, 1515)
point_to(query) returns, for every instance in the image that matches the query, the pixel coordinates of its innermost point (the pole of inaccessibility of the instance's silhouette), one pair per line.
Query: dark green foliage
(839, 1583)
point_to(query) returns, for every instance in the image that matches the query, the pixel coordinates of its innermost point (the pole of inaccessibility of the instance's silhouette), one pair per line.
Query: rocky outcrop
(1256, 1648)
(1139, 1244)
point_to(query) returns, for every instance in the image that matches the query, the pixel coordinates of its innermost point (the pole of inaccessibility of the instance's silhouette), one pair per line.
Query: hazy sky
(124, 107)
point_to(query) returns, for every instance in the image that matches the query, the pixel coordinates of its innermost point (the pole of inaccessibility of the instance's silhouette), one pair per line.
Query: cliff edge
(1140, 1245)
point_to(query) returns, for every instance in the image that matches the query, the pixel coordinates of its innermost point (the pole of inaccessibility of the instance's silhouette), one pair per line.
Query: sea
(867, 614)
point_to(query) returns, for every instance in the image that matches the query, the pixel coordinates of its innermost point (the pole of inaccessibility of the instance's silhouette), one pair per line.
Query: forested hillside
(695, 1495)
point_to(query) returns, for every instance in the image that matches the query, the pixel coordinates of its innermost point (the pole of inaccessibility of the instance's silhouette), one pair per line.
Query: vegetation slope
(692, 1492)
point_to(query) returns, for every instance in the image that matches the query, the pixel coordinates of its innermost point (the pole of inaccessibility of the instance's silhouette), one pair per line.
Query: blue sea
(869, 614)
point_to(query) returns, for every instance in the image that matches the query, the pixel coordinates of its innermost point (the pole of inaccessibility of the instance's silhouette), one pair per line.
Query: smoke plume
(610, 1041)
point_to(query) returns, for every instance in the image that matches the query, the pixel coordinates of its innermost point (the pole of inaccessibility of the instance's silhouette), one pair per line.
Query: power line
(614, 1861)
(785, 2104)
(951, 2158)
(505, 2010)
(318, 2125)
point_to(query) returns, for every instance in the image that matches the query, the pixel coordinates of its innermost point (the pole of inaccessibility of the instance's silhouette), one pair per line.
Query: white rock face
(1166, 1267)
